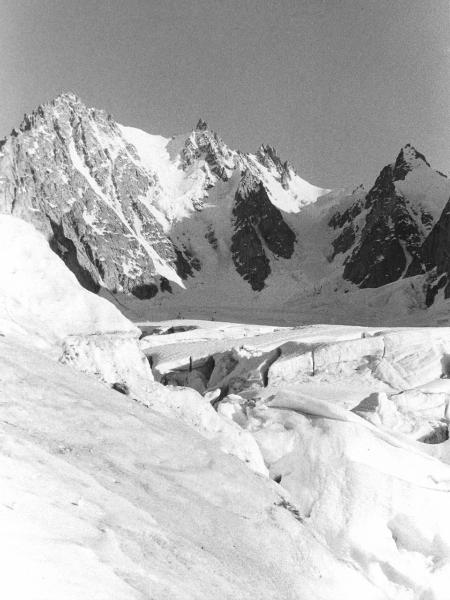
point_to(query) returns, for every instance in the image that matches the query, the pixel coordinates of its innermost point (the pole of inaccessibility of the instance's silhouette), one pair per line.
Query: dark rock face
(211, 237)
(249, 257)
(347, 222)
(379, 257)
(121, 387)
(384, 231)
(268, 157)
(70, 172)
(145, 291)
(257, 221)
(165, 286)
(67, 250)
(434, 256)
(201, 125)
(186, 263)
(344, 241)
(405, 162)
(434, 284)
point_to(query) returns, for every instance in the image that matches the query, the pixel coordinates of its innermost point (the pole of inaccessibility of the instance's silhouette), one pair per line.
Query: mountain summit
(407, 160)
(383, 232)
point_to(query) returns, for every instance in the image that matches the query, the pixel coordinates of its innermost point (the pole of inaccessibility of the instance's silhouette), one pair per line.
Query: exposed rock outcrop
(434, 256)
(146, 215)
(70, 172)
(258, 227)
(383, 232)
(110, 213)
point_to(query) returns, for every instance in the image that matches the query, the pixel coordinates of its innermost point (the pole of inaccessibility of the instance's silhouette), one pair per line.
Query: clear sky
(337, 86)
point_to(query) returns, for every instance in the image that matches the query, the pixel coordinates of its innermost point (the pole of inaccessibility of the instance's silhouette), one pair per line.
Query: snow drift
(42, 302)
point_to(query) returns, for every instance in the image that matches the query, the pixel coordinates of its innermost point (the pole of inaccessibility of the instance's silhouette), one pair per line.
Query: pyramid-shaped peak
(408, 159)
(201, 125)
(409, 153)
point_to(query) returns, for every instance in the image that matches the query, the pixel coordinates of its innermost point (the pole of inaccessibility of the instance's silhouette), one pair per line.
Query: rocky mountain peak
(66, 98)
(62, 116)
(383, 232)
(70, 172)
(407, 160)
(258, 227)
(201, 125)
(267, 154)
(66, 102)
(203, 143)
(268, 157)
(267, 151)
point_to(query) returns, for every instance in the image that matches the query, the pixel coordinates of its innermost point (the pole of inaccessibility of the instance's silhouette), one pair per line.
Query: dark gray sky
(337, 86)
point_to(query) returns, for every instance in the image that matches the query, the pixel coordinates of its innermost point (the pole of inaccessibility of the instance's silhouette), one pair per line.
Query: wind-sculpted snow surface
(375, 499)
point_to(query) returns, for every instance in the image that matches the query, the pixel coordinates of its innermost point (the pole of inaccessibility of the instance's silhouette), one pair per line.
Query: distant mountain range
(187, 221)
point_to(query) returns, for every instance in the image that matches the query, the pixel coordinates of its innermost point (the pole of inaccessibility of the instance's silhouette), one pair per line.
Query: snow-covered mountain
(137, 213)
(383, 232)
(187, 221)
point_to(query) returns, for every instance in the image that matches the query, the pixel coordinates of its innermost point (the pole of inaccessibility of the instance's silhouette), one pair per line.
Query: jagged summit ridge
(148, 215)
(111, 199)
(267, 156)
(70, 172)
(68, 96)
(205, 144)
(57, 108)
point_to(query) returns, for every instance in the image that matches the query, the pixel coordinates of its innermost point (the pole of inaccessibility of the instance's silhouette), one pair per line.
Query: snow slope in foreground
(103, 498)
(42, 302)
(40, 297)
